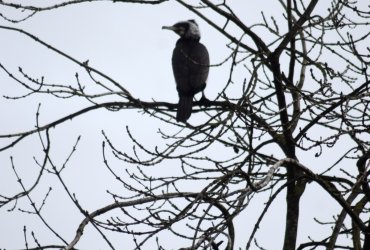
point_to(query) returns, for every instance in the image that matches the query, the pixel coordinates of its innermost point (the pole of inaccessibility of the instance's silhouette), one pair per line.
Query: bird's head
(185, 29)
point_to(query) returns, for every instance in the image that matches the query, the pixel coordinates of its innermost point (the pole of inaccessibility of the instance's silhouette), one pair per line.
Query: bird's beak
(169, 28)
(178, 30)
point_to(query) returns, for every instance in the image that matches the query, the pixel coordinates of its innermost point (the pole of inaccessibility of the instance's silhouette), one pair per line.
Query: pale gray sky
(125, 41)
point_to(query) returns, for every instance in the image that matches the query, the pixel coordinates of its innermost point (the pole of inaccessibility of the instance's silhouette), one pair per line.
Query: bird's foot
(204, 101)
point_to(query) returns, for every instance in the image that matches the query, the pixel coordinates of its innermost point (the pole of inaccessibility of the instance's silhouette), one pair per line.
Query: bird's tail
(184, 108)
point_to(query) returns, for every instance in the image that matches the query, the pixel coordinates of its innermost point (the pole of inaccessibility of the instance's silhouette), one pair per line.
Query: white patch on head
(193, 30)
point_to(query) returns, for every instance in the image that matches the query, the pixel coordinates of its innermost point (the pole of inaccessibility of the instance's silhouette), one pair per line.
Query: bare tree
(304, 91)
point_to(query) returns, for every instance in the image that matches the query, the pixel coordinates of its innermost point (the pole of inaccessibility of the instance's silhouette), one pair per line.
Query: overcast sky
(126, 42)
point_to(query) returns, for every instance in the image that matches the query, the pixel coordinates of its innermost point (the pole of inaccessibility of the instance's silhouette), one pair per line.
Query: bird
(190, 65)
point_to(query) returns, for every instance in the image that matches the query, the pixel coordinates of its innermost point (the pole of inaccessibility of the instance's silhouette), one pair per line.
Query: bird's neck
(190, 38)
(187, 40)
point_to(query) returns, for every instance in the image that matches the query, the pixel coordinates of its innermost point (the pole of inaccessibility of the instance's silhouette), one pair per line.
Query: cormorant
(190, 64)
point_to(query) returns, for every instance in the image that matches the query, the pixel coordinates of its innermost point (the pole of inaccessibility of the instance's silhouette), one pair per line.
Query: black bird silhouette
(190, 64)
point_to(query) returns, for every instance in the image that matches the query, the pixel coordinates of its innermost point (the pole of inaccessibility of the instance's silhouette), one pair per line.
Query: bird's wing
(199, 67)
(190, 62)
